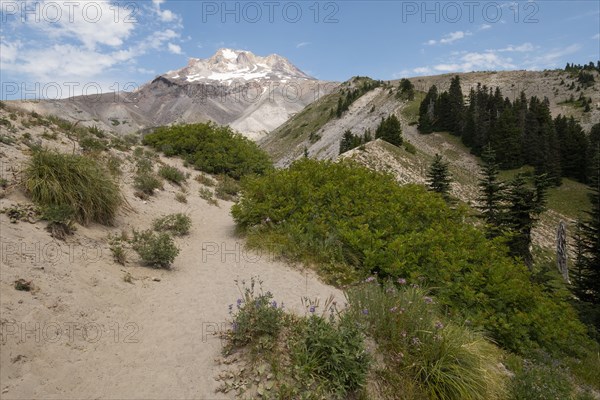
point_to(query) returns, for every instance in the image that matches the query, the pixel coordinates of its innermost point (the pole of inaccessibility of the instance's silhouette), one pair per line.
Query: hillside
(91, 328)
(287, 143)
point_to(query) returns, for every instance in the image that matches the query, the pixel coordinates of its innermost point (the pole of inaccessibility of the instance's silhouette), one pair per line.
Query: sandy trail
(100, 337)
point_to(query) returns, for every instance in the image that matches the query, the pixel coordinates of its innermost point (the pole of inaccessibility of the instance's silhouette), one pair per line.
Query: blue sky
(56, 48)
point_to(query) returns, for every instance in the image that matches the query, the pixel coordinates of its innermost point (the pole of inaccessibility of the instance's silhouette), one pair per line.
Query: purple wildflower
(427, 300)
(416, 341)
(402, 281)
(393, 309)
(274, 304)
(234, 326)
(365, 311)
(370, 279)
(312, 309)
(439, 325)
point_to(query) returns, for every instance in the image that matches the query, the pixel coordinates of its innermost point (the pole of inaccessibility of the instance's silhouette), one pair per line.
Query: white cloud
(596, 36)
(302, 44)
(146, 71)
(422, 70)
(173, 48)
(89, 22)
(552, 57)
(525, 47)
(165, 15)
(449, 38)
(484, 27)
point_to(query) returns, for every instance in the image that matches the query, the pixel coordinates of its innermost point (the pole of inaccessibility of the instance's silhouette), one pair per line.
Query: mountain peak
(227, 66)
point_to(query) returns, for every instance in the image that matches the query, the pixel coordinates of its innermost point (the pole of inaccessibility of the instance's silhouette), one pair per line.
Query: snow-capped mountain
(252, 94)
(228, 66)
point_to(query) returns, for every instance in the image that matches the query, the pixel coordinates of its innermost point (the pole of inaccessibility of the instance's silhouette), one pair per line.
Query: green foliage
(350, 141)
(155, 249)
(91, 144)
(227, 188)
(257, 315)
(63, 180)
(172, 174)
(540, 382)
(390, 130)
(330, 354)
(205, 180)
(207, 194)
(181, 197)
(309, 357)
(351, 222)
(178, 224)
(438, 177)
(449, 361)
(60, 220)
(406, 90)
(147, 183)
(118, 247)
(210, 148)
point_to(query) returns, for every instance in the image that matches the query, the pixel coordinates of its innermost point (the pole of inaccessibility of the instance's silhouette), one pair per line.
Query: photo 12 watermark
(68, 332)
(252, 12)
(470, 11)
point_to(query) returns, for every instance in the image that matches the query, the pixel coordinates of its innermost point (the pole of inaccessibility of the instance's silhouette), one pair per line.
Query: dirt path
(85, 333)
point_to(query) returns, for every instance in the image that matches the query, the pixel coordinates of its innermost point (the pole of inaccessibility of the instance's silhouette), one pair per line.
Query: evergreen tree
(524, 205)
(427, 111)
(491, 194)
(588, 284)
(456, 107)
(390, 130)
(438, 177)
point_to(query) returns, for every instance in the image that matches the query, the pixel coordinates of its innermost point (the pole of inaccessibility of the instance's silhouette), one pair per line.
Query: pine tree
(587, 282)
(390, 130)
(438, 177)
(455, 120)
(427, 111)
(524, 205)
(491, 194)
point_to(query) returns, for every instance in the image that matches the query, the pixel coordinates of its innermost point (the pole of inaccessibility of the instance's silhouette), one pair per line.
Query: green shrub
(207, 194)
(310, 357)
(210, 148)
(172, 174)
(204, 180)
(181, 198)
(352, 222)
(60, 220)
(155, 249)
(118, 247)
(147, 183)
(64, 180)
(330, 355)
(540, 382)
(178, 224)
(227, 188)
(144, 165)
(449, 361)
(90, 144)
(114, 163)
(256, 315)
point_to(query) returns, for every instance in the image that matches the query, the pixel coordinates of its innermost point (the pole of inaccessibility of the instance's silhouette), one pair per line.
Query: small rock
(155, 279)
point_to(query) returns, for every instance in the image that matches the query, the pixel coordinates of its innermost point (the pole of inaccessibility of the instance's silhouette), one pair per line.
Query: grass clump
(155, 249)
(211, 148)
(60, 180)
(205, 180)
(172, 174)
(178, 224)
(448, 360)
(181, 198)
(118, 245)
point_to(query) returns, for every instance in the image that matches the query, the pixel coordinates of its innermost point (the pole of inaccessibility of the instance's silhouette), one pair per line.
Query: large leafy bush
(211, 148)
(353, 222)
